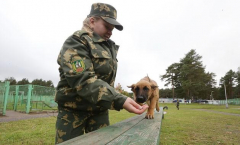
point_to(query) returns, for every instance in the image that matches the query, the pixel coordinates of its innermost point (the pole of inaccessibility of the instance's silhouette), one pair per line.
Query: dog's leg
(157, 106)
(150, 112)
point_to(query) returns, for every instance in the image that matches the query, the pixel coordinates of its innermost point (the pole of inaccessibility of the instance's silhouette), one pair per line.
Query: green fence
(30, 98)
(235, 101)
(4, 92)
(44, 95)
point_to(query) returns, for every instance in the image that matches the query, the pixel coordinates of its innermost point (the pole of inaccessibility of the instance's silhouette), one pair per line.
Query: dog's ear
(153, 87)
(132, 87)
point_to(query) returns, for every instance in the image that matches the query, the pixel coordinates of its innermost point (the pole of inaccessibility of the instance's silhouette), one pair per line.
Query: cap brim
(113, 22)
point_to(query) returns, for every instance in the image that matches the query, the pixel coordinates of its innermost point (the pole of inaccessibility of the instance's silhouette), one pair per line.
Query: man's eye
(108, 28)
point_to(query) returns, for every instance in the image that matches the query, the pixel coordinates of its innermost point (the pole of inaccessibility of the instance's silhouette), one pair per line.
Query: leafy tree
(37, 82)
(191, 73)
(12, 80)
(125, 93)
(130, 95)
(215, 94)
(119, 89)
(207, 85)
(237, 80)
(229, 81)
(24, 81)
(165, 93)
(49, 83)
(171, 76)
(41, 82)
(189, 78)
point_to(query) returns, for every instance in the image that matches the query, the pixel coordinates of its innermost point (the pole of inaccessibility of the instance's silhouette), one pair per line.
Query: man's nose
(110, 32)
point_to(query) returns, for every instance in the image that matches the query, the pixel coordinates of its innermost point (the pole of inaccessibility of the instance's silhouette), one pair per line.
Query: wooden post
(28, 105)
(16, 98)
(6, 93)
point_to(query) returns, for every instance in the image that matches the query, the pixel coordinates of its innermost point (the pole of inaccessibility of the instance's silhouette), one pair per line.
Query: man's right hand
(131, 106)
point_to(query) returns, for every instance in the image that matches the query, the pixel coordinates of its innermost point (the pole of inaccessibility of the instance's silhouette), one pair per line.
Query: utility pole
(222, 82)
(211, 95)
(225, 95)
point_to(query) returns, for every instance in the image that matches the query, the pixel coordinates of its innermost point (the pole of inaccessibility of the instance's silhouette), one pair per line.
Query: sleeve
(79, 72)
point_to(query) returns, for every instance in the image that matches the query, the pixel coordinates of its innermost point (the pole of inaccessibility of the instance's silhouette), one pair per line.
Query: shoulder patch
(78, 66)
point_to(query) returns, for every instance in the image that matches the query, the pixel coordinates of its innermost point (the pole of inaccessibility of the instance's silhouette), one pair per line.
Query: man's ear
(91, 22)
(132, 87)
(153, 87)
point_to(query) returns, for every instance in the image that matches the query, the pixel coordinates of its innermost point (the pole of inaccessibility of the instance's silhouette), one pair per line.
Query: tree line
(25, 81)
(188, 79)
(49, 83)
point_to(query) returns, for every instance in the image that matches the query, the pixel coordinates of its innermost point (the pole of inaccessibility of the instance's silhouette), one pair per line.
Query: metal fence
(235, 101)
(29, 98)
(4, 91)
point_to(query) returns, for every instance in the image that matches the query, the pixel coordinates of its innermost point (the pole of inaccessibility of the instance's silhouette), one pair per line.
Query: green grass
(189, 125)
(192, 126)
(117, 116)
(32, 131)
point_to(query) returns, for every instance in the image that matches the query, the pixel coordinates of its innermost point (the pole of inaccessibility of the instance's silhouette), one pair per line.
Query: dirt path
(16, 116)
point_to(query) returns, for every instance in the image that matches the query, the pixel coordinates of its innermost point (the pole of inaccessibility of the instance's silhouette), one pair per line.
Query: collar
(94, 36)
(97, 38)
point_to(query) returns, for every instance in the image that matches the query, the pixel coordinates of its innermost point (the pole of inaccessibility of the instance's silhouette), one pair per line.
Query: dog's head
(142, 91)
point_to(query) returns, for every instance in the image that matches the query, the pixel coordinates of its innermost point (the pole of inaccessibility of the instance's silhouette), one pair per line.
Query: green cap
(107, 13)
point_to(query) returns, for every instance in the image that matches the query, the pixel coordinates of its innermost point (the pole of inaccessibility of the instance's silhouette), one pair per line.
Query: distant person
(177, 104)
(88, 67)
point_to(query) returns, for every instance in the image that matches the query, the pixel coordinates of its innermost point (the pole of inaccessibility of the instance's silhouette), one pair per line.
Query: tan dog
(146, 90)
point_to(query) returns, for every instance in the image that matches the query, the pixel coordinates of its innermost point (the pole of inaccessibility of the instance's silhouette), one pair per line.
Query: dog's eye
(145, 88)
(137, 89)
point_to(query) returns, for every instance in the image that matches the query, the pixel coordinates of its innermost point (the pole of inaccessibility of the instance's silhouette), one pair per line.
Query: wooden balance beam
(135, 131)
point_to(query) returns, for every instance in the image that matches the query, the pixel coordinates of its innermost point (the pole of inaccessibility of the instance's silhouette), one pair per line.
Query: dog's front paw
(149, 116)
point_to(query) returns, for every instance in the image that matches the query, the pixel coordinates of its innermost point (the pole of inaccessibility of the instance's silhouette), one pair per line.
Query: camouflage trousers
(71, 124)
(177, 107)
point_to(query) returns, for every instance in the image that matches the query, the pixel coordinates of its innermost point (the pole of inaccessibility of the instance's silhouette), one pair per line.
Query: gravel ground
(16, 116)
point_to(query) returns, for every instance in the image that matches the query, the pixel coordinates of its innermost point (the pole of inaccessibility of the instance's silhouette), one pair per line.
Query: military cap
(107, 13)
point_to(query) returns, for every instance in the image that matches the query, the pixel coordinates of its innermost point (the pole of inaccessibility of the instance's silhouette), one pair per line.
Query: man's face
(102, 28)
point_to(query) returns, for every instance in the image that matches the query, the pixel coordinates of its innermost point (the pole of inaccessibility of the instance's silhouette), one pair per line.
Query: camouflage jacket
(88, 66)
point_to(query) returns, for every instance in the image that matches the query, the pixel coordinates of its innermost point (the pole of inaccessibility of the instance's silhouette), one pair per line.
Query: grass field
(192, 124)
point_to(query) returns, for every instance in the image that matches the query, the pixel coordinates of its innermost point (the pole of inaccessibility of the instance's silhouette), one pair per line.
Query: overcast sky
(156, 34)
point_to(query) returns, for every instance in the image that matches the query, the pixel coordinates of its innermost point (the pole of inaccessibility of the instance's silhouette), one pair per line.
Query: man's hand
(131, 106)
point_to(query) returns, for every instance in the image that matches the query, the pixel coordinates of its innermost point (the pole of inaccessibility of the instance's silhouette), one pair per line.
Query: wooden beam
(135, 130)
(146, 132)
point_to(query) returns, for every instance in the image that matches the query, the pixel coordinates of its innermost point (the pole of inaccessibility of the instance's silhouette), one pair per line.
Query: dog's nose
(140, 99)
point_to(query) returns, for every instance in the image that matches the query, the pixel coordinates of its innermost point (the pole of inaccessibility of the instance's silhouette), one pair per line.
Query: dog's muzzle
(140, 99)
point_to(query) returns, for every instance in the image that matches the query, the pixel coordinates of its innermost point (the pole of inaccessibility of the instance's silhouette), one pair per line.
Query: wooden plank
(106, 134)
(133, 131)
(146, 132)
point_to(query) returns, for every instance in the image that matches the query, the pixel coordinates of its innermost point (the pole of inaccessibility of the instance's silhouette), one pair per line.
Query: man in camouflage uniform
(177, 104)
(88, 66)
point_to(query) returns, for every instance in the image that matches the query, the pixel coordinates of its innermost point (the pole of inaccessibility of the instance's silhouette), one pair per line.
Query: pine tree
(171, 77)
(189, 78)
(229, 81)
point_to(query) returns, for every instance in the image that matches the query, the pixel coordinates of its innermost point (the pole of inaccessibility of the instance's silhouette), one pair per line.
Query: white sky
(157, 33)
